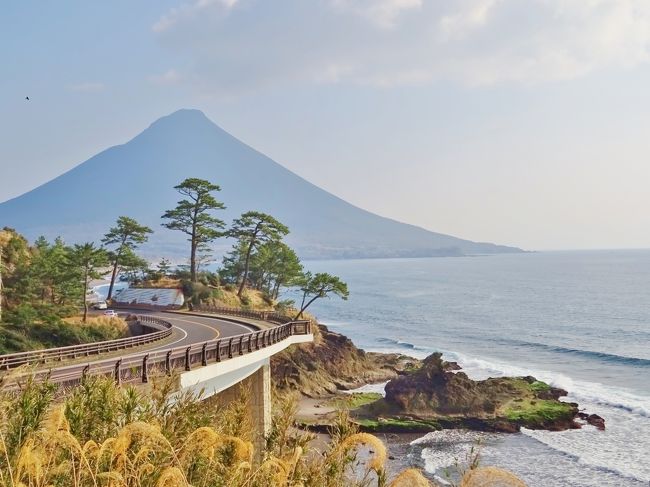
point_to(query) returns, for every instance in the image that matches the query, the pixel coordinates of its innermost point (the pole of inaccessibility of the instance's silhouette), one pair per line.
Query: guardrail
(271, 316)
(138, 367)
(160, 329)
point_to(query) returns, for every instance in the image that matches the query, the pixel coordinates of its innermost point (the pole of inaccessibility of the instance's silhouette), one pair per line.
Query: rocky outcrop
(332, 363)
(437, 392)
(593, 419)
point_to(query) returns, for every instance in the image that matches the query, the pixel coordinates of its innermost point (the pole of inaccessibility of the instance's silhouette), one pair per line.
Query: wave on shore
(579, 391)
(618, 453)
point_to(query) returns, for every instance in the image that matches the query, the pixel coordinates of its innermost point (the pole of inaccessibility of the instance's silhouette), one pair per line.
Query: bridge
(212, 351)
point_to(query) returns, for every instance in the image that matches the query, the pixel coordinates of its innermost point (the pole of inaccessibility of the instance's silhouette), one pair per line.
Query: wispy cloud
(169, 77)
(87, 87)
(405, 42)
(384, 13)
(188, 11)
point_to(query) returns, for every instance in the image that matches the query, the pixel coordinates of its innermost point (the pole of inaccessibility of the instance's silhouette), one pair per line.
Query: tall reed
(103, 435)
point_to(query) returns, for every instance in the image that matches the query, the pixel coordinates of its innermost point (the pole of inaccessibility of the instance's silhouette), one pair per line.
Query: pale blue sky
(521, 123)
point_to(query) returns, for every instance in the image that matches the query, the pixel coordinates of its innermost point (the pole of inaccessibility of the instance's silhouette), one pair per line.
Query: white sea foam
(579, 391)
(378, 388)
(443, 450)
(620, 450)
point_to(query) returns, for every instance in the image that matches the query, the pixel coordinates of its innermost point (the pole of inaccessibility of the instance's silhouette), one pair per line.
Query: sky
(519, 123)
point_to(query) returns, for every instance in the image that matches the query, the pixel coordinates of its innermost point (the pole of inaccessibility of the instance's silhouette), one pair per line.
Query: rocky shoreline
(333, 363)
(421, 395)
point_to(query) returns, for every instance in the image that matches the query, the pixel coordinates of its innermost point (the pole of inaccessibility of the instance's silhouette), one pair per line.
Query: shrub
(218, 294)
(105, 434)
(285, 305)
(54, 332)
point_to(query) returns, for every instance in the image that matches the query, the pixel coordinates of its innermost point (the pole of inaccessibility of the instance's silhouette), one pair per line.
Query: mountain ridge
(79, 206)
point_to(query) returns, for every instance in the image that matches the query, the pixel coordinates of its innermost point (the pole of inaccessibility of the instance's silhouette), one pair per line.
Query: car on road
(111, 313)
(100, 305)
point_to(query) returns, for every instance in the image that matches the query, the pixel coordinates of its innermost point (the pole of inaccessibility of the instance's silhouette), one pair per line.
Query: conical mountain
(136, 179)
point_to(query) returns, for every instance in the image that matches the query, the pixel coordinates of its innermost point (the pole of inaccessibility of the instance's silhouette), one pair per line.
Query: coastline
(417, 396)
(435, 452)
(573, 320)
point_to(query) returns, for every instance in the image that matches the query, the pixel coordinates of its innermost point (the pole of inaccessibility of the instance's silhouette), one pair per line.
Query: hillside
(136, 179)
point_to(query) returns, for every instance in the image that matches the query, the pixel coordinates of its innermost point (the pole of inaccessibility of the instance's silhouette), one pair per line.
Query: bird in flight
(27, 98)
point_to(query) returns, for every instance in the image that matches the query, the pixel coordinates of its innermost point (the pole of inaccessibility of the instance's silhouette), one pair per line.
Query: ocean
(578, 320)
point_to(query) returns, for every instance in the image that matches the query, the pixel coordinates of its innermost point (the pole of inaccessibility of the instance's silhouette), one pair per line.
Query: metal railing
(271, 316)
(139, 366)
(157, 330)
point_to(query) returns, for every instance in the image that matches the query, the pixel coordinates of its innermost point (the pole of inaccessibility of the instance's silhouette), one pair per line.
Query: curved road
(191, 330)
(197, 329)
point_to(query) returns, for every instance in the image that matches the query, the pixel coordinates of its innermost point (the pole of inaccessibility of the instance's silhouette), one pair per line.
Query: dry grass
(491, 477)
(105, 321)
(410, 477)
(105, 435)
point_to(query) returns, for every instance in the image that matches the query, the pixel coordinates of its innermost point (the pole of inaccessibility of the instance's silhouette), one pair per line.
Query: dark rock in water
(506, 427)
(434, 388)
(496, 404)
(596, 421)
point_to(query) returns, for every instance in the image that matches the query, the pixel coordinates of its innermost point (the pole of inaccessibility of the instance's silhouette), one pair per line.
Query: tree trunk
(276, 290)
(246, 264)
(85, 291)
(304, 306)
(113, 276)
(193, 261)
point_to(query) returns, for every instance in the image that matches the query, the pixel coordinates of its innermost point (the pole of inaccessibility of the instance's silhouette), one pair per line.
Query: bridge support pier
(261, 407)
(257, 387)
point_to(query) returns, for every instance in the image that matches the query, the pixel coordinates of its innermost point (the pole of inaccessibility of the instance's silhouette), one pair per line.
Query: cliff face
(331, 363)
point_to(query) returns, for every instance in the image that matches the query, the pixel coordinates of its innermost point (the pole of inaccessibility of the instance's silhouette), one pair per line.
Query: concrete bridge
(212, 353)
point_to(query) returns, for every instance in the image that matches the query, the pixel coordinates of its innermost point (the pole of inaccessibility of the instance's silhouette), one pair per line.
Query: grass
(102, 434)
(397, 425)
(355, 400)
(539, 386)
(58, 333)
(538, 411)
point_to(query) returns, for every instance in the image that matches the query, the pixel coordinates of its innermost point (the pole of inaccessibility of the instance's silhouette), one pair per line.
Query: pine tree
(192, 216)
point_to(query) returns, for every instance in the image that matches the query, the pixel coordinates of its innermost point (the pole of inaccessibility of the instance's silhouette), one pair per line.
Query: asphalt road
(198, 329)
(191, 330)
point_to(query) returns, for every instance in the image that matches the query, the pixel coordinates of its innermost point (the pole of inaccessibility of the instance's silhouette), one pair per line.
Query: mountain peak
(187, 124)
(185, 144)
(183, 116)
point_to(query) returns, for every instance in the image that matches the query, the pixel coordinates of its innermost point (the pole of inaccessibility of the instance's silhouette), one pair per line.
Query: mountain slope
(82, 203)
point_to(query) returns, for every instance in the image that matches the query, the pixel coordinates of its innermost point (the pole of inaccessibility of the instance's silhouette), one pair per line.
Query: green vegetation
(538, 411)
(42, 285)
(192, 217)
(259, 259)
(251, 230)
(46, 282)
(355, 400)
(125, 236)
(320, 285)
(401, 425)
(20, 337)
(539, 386)
(87, 259)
